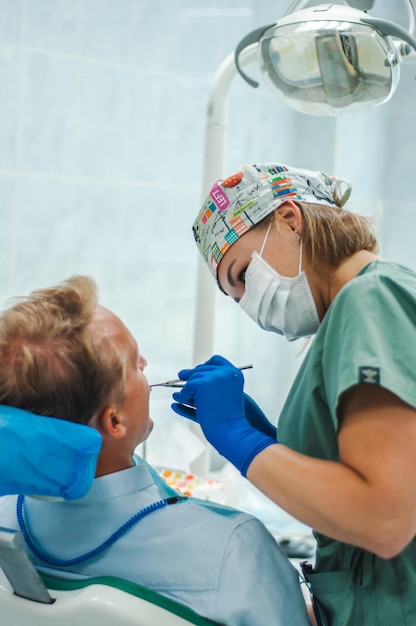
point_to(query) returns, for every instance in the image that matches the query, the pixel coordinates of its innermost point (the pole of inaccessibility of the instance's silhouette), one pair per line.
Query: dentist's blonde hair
(331, 234)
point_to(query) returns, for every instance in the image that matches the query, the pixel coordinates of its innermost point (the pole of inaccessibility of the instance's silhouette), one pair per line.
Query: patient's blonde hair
(50, 363)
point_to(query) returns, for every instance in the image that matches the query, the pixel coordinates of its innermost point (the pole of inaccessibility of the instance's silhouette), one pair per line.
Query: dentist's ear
(291, 214)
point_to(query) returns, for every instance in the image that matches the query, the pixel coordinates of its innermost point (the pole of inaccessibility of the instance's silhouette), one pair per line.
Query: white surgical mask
(278, 303)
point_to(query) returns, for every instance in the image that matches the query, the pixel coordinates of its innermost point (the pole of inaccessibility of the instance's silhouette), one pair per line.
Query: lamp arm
(296, 5)
(364, 5)
(391, 29)
(248, 40)
(412, 16)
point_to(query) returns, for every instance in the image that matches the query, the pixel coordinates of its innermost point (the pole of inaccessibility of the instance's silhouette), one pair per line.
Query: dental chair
(30, 446)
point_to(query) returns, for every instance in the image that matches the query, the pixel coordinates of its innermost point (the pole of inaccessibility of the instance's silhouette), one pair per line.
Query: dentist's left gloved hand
(215, 388)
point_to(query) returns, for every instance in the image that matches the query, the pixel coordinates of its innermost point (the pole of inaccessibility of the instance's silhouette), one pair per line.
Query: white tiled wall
(102, 115)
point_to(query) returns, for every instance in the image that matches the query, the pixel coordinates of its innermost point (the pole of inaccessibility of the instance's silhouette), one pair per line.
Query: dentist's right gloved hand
(215, 388)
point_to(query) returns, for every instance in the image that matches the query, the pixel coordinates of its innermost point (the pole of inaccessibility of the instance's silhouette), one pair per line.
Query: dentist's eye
(242, 276)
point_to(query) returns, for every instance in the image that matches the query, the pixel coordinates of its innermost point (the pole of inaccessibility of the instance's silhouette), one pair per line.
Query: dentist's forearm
(333, 499)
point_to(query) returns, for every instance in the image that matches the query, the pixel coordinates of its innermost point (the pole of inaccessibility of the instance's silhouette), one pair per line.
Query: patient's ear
(109, 422)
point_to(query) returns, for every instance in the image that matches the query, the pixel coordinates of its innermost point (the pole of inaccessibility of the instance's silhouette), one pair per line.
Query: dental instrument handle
(177, 382)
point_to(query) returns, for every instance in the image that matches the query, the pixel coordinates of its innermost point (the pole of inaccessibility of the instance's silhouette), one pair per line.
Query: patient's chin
(150, 428)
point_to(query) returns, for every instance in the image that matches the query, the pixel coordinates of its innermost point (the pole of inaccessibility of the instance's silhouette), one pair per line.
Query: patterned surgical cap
(236, 204)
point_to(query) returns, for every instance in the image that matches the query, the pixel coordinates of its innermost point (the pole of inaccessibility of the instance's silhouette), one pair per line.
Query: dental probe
(177, 382)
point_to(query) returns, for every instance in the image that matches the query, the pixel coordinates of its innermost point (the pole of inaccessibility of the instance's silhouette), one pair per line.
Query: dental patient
(63, 355)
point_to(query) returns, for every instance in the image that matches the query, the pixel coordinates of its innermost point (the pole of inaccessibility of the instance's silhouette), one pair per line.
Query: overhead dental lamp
(331, 59)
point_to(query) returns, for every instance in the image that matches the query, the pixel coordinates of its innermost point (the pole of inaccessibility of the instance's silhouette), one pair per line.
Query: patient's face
(135, 408)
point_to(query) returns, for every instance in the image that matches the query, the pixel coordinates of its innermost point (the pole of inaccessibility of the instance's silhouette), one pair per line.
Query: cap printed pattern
(239, 202)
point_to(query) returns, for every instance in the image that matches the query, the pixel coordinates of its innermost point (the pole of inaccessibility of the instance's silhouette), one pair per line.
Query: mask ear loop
(300, 241)
(307, 340)
(265, 239)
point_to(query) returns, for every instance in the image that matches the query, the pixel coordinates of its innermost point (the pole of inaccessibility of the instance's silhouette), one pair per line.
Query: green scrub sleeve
(368, 339)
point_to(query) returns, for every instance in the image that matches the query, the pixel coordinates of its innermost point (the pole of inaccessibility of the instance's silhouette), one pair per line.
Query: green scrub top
(368, 336)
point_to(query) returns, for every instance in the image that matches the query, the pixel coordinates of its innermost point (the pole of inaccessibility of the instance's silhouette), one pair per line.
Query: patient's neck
(108, 464)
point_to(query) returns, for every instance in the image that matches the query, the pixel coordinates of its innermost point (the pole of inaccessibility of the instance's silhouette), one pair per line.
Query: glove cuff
(262, 444)
(239, 442)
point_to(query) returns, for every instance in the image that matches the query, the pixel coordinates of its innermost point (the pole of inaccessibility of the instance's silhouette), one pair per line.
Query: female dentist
(278, 241)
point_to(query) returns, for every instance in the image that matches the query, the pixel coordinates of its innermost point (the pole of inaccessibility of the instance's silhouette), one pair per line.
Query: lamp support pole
(213, 168)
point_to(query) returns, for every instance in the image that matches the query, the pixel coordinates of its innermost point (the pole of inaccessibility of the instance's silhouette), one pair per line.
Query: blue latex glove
(257, 418)
(252, 411)
(215, 389)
